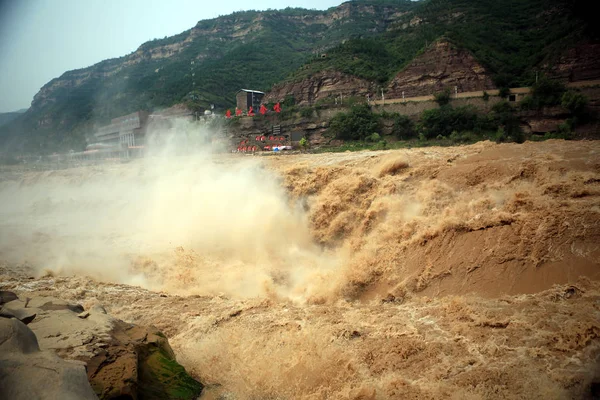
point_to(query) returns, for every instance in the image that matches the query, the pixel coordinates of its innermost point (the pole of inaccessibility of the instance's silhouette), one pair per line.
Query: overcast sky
(41, 39)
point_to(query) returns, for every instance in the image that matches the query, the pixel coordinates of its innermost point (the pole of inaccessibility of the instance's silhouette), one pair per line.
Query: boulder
(15, 337)
(51, 303)
(123, 361)
(25, 315)
(28, 373)
(6, 296)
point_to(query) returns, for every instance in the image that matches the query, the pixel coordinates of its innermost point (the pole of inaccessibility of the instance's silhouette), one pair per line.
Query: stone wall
(414, 108)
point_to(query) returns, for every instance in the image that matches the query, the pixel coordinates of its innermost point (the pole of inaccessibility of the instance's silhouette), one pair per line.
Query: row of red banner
(263, 110)
(244, 149)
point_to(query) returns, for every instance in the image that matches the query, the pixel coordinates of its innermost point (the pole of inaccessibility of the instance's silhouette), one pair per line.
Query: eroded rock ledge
(120, 360)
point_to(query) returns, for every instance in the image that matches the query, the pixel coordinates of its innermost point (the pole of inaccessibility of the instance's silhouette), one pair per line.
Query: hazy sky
(41, 39)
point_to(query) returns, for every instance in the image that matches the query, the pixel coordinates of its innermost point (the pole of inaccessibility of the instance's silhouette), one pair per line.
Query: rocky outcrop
(28, 373)
(543, 121)
(441, 66)
(123, 361)
(320, 86)
(579, 63)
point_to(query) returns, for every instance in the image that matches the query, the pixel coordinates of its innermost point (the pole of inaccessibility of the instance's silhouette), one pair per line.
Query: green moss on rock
(161, 377)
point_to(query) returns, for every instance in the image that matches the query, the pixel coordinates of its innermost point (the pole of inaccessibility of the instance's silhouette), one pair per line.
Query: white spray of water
(197, 223)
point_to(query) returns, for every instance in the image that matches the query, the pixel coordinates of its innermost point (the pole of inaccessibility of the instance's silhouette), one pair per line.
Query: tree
(444, 120)
(547, 92)
(574, 102)
(443, 97)
(404, 127)
(503, 92)
(508, 123)
(303, 143)
(357, 124)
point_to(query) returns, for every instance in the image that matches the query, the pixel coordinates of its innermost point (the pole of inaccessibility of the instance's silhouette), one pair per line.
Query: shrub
(504, 92)
(289, 101)
(502, 107)
(547, 92)
(500, 135)
(504, 116)
(357, 124)
(444, 120)
(516, 134)
(306, 112)
(575, 102)
(374, 137)
(503, 80)
(404, 127)
(463, 137)
(565, 130)
(381, 145)
(443, 97)
(527, 103)
(303, 143)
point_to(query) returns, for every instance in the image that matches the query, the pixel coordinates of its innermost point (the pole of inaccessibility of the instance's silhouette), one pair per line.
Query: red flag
(277, 108)
(228, 114)
(263, 109)
(251, 112)
(238, 112)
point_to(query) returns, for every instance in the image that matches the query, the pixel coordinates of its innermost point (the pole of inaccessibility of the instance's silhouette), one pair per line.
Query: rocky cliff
(443, 65)
(200, 67)
(210, 41)
(578, 63)
(325, 84)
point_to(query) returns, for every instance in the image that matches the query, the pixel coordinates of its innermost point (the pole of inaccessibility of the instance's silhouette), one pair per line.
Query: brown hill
(322, 85)
(441, 66)
(579, 63)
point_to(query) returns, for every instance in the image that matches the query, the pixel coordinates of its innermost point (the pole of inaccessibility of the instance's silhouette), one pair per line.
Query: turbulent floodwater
(465, 272)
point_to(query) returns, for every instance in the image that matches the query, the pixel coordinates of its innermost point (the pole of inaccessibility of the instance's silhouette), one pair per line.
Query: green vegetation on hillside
(509, 37)
(247, 49)
(358, 124)
(371, 39)
(362, 128)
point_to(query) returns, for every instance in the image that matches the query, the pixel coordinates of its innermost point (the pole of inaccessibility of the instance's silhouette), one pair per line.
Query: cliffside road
(492, 92)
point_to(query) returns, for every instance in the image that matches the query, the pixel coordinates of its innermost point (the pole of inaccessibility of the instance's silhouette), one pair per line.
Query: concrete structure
(126, 131)
(124, 134)
(246, 98)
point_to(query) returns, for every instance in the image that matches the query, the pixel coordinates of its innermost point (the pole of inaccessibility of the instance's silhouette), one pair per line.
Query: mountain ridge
(372, 40)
